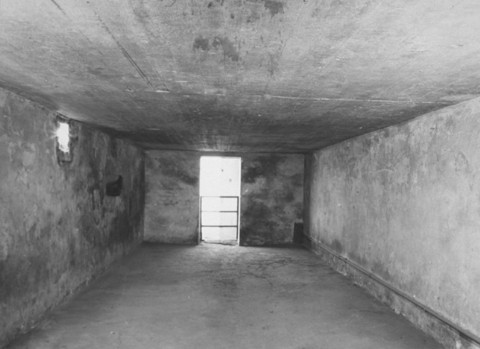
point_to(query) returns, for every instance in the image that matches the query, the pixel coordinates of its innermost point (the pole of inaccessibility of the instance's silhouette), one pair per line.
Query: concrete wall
(58, 229)
(403, 203)
(171, 203)
(272, 197)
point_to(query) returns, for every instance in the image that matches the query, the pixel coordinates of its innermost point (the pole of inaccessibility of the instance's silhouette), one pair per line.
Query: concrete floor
(215, 296)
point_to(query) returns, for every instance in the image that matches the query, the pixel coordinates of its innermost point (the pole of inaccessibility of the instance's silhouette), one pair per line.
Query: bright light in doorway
(63, 136)
(220, 198)
(220, 176)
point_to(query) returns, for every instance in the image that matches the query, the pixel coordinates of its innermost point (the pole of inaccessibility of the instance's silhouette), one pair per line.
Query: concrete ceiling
(241, 75)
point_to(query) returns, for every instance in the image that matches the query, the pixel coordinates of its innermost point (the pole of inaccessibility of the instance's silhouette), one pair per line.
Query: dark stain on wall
(174, 168)
(227, 46)
(201, 43)
(59, 230)
(171, 210)
(275, 7)
(264, 166)
(336, 245)
(272, 198)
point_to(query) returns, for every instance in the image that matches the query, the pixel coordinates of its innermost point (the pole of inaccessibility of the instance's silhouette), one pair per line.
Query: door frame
(239, 197)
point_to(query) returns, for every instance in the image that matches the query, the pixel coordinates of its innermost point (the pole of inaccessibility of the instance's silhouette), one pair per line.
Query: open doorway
(220, 199)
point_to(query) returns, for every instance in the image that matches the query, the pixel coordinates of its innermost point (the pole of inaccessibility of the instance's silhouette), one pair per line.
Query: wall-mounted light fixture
(63, 140)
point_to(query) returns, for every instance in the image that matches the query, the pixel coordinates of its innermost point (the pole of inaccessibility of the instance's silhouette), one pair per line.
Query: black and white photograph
(240, 174)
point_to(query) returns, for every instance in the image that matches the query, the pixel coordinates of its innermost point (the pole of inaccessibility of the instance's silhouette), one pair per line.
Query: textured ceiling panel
(241, 75)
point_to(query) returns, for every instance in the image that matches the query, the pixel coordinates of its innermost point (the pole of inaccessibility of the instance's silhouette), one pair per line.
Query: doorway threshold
(221, 242)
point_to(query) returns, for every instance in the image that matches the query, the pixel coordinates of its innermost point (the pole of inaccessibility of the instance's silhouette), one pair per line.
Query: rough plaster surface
(242, 75)
(272, 198)
(172, 202)
(445, 334)
(57, 227)
(271, 202)
(224, 297)
(404, 203)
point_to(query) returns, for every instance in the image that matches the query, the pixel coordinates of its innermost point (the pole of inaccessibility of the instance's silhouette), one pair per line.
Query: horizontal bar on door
(203, 211)
(210, 196)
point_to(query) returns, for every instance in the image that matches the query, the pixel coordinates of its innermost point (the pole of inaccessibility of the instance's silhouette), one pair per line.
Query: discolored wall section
(403, 203)
(271, 203)
(58, 229)
(172, 204)
(272, 198)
